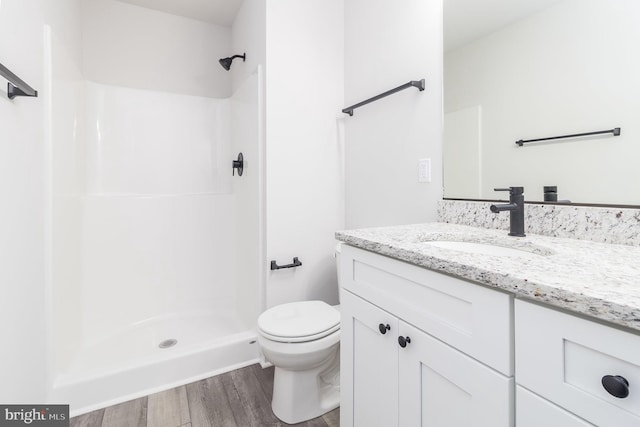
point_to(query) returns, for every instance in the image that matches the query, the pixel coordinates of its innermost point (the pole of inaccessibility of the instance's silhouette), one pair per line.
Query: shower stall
(155, 251)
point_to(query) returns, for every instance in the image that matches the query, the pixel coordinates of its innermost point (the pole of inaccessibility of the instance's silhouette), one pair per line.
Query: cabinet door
(368, 365)
(442, 387)
(534, 411)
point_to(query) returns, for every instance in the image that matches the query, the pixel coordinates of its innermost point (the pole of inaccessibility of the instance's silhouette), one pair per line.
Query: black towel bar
(614, 131)
(16, 86)
(413, 83)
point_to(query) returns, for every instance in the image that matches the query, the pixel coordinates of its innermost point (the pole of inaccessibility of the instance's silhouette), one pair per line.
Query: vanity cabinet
(534, 411)
(422, 348)
(563, 359)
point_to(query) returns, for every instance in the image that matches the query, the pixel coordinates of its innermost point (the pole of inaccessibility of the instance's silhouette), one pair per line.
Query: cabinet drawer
(534, 411)
(467, 316)
(563, 358)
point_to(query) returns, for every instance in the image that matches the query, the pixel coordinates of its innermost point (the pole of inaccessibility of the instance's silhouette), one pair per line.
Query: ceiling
(464, 20)
(219, 12)
(467, 20)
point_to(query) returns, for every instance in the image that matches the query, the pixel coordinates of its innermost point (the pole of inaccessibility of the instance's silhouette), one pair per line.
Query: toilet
(302, 340)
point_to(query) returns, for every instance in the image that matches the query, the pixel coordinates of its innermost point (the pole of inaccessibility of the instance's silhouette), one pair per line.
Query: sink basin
(483, 249)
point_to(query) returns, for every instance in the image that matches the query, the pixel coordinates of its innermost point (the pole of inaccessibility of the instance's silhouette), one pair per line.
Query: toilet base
(303, 395)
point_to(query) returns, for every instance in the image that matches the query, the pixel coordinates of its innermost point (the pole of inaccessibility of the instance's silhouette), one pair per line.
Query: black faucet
(515, 208)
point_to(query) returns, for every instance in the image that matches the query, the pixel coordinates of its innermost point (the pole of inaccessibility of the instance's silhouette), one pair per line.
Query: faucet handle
(514, 191)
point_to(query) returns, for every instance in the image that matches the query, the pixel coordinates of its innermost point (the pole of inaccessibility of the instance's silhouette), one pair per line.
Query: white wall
(571, 68)
(248, 36)
(388, 44)
(304, 95)
(23, 360)
(132, 46)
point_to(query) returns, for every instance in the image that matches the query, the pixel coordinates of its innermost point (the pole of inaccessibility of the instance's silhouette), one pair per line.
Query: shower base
(152, 356)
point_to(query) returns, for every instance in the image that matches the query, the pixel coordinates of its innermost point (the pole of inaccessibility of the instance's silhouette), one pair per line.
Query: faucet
(515, 208)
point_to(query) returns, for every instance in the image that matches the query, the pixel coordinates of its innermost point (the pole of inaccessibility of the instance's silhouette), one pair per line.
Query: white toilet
(302, 340)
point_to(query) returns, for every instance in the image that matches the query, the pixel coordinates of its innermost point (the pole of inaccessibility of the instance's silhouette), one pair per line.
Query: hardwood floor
(240, 398)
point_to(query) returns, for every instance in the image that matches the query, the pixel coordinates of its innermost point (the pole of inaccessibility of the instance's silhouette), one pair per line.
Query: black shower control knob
(616, 385)
(383, 328)
(403, 341)
(237, 165)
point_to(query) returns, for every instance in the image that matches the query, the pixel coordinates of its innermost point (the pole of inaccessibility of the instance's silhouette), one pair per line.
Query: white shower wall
(248, 138)
(156, 218)
(152, 237)
(142, 142)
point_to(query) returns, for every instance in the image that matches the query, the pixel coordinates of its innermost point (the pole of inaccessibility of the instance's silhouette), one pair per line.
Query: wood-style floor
(240, 398)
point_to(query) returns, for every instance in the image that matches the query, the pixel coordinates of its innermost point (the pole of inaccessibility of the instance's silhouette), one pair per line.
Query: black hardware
(614, 131)
(413, 83)
(616, 386)
(403, 341)
(515, 208)
(296, 263)
(237, 164)
(383, 328)
(16, 86)
(550, 193)
(226, 62)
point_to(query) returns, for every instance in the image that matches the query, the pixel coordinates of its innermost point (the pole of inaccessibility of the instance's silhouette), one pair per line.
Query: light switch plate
(424, 170)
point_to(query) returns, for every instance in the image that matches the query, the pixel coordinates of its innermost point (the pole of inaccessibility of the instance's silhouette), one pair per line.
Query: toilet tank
(336, 253)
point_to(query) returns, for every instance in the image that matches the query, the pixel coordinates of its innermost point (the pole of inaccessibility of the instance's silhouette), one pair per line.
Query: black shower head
(226, 62)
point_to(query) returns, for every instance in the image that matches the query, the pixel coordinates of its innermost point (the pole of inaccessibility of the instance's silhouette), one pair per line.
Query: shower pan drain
(168, 343)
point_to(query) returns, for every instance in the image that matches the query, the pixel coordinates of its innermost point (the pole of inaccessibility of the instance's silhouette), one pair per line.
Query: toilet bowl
(302, 341)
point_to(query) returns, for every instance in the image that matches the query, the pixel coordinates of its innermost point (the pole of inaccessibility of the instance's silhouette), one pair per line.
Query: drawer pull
(383, 328)
(403, 341)
(616, 385)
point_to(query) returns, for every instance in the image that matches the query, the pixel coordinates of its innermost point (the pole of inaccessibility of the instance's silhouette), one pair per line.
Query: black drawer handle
(616, 386)
(383, 328)
(403, 341)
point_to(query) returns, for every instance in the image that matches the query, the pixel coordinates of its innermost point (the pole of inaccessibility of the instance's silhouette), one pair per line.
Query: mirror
(528, 69)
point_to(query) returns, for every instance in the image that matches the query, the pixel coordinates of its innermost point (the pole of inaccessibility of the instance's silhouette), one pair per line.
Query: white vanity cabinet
(563, 359)
(534, 411)
(420, 348)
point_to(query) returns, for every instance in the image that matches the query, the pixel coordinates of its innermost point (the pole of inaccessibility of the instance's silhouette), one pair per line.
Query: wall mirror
(528, 69)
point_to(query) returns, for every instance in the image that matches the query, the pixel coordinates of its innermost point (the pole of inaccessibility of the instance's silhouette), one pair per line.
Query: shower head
(226, 62)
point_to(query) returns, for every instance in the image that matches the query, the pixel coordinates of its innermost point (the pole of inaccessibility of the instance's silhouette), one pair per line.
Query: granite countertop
(598, 280)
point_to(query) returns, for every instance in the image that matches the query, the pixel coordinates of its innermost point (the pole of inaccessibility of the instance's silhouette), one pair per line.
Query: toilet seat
(299, 321)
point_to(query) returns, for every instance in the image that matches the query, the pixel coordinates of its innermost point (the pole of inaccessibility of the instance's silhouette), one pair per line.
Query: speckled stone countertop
(594, 279)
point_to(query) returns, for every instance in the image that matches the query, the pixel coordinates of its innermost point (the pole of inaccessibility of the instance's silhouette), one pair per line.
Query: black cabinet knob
(403, 341)
(383, 328)
(616, 385)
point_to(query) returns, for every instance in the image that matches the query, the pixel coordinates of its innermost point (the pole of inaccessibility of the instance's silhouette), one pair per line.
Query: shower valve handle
(237, 164)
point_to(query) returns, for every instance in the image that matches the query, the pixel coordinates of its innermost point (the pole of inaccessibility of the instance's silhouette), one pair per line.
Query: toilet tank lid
(299, 319)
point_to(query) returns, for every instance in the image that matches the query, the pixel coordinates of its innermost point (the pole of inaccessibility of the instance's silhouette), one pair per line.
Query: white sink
(483, 249)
